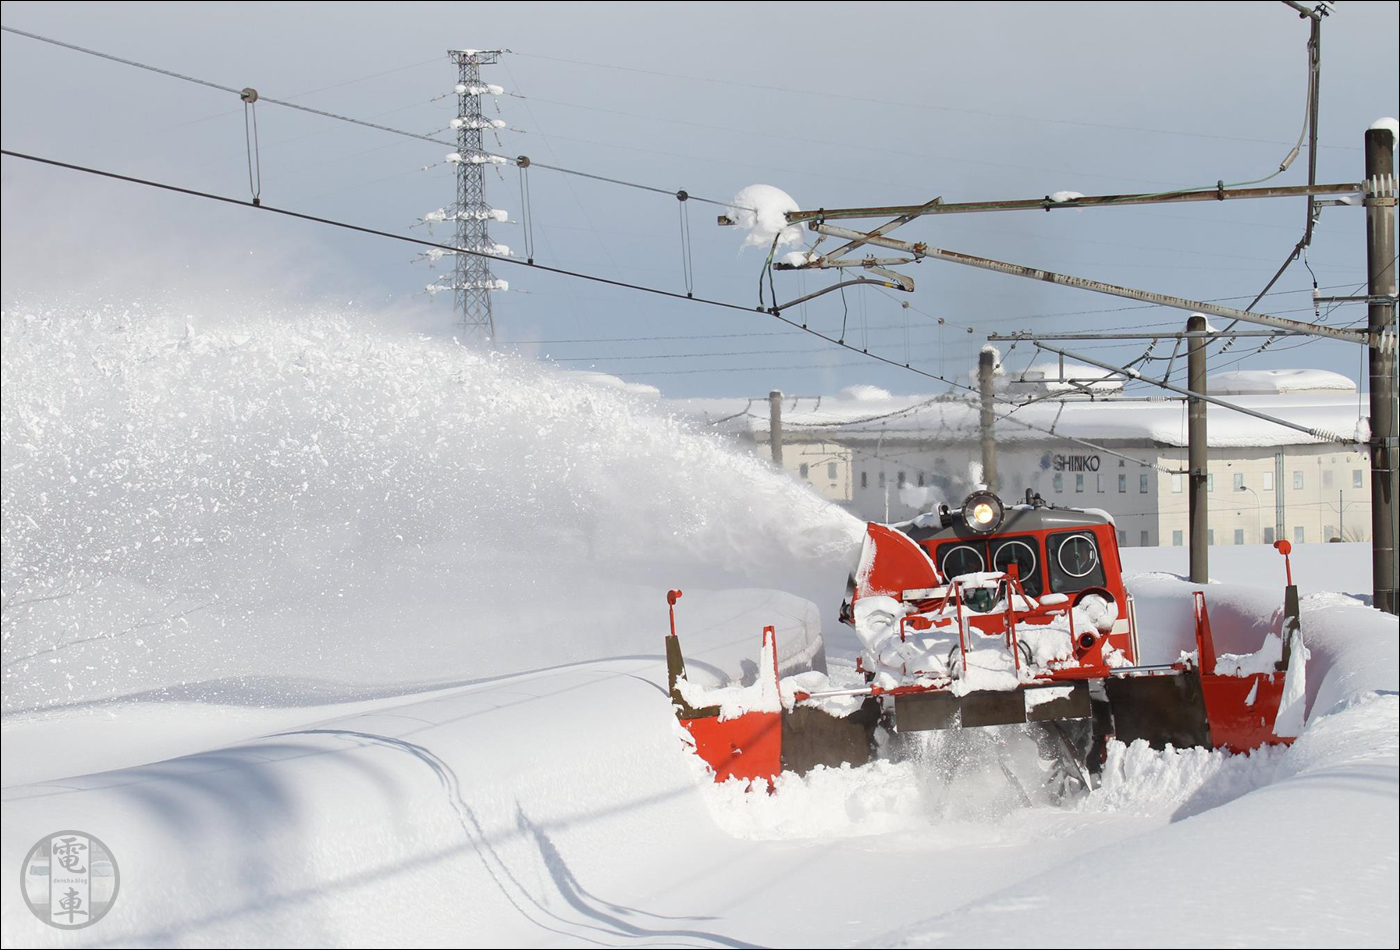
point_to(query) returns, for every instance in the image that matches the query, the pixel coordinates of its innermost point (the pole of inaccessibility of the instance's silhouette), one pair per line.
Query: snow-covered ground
(337, 636)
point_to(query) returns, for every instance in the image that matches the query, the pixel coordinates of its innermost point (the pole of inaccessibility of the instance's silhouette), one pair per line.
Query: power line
(344, 118)
(219, 86)
(641, 288)
(331, 222)
(828, 94)
(891, 326)
(881, 149)
(686, 356)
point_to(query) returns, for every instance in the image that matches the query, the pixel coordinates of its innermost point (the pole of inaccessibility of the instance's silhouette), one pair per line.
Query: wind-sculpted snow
(313, 498)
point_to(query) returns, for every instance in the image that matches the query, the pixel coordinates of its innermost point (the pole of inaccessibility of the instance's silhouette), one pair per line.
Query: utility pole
(1197, 453)
(775, 426)
(472, 281)
(1380, 289)
(986, 383)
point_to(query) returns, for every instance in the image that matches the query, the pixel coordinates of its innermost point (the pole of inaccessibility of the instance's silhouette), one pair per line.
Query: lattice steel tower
(472, 281)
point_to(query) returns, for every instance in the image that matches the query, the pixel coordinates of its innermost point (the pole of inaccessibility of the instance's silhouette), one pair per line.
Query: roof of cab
(1019, 519)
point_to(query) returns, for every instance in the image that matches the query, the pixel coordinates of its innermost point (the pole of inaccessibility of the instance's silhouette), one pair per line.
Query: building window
(1297, 481)
(1239, 481)
(1268, 481)
(1122, 481)
(882, 479)
(1329, 533)
(1326, 478)
(921, 479)
(1268, 535)
(1123, 537)
(1079, 482)
(802, 470)
(901, 480)
(831, 470)
(1177, 481)
(1059, 482)
(1210, 481)
(1210, 537)
(1239, 536)
(1098, 483)
(1143, 539)
(864, 479)
(1356, 478)
(1298, 534)
(1142, 483)
(1176, 539)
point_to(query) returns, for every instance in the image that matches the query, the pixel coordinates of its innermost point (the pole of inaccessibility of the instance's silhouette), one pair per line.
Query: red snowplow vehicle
(994, 615)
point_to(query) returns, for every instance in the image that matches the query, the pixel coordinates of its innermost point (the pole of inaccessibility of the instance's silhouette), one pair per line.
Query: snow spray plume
(336, 499)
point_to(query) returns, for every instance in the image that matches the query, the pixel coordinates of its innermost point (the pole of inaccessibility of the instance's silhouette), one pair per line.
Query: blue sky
(840, 105)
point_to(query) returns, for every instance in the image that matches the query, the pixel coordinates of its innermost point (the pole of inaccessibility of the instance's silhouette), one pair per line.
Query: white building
(888, 457)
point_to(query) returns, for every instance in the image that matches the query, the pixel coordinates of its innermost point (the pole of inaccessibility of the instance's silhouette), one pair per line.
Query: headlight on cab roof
(983, 512)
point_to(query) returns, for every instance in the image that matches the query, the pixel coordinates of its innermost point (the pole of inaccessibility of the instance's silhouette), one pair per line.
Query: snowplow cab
(1061, 558)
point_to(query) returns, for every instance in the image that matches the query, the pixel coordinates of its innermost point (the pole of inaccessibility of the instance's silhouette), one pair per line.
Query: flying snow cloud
(192, 498)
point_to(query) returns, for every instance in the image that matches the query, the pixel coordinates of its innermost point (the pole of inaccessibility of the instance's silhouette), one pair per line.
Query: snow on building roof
(867, 413)
(1262, 381)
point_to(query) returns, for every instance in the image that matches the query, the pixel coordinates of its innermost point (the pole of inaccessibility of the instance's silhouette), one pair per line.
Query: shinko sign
(1070, 463)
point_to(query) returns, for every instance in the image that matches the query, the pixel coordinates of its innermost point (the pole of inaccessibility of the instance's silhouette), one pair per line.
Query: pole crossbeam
(1377, 337)
(1050, 203)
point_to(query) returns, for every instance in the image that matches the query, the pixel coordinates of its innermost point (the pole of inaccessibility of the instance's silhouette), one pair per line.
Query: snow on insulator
(435, 289)
(477, 158)
(479, 214)
(479, 89)
(465, 122)
(484, 214)
(495, 284)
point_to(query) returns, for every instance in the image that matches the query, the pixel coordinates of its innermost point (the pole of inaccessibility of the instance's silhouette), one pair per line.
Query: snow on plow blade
(1022, 643)
(745, 732)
